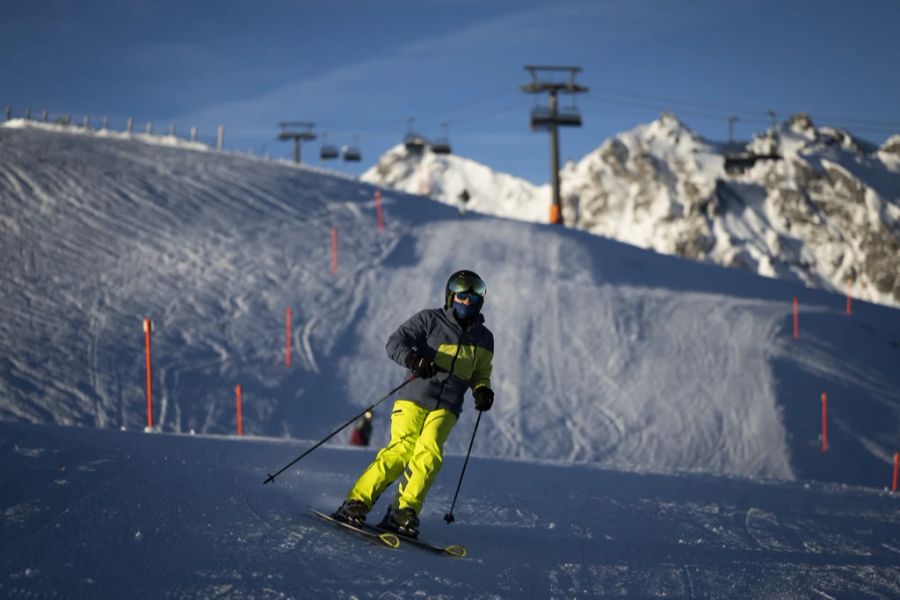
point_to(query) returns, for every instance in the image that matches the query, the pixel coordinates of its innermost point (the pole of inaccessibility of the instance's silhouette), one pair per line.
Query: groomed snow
(102, 513)
(618, 372)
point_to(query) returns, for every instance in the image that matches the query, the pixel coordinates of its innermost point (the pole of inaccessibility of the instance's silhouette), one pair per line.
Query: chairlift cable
(683, 104)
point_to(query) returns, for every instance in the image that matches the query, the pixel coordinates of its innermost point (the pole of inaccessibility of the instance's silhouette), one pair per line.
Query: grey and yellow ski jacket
(463, 355)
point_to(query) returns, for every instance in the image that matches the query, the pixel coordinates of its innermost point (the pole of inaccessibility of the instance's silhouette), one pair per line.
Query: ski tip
(389, 539)
(457, 551)
(268, 479)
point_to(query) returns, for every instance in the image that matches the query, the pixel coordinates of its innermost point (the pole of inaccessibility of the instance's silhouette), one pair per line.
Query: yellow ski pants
(415, 450)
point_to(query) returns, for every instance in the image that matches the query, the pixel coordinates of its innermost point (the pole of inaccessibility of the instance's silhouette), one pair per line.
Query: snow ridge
(801, 203)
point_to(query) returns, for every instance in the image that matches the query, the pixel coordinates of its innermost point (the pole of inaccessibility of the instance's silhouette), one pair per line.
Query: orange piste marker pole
(379, 215)
(796, 318)
(147, 328)
(334, 249)
(555, 216)
(849, 298)
(896, 468)
(824, 422)
(240, 420)
(288, 318)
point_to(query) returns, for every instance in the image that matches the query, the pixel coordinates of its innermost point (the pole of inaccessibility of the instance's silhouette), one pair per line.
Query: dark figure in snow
(362, 430)
(464, 198)
(448, 350)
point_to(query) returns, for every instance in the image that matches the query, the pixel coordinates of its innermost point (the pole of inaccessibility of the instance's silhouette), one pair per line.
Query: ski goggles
(466, 295)
(467, 283)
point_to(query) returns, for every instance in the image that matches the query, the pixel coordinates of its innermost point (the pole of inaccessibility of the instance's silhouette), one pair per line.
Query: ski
(374, 536)
(454, 550)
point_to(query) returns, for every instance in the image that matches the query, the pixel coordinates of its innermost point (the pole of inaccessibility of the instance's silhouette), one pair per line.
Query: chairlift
(351, 152)
(541, 118)
(569, 117)
(442, 144)
(414, 142)
(327, 151)
(441, 147)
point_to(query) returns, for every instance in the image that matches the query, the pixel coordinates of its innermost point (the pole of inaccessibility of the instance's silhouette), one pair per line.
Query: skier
(449, 350)
(362, 430)
(464, 198)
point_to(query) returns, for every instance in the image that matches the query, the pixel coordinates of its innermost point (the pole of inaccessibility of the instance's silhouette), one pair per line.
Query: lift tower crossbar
(551, 119)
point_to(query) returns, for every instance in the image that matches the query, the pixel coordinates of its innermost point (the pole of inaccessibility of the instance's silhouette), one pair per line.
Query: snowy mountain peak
(451, 178)
(891, 146)
(668, 125)
(801, 202)
(800, 135)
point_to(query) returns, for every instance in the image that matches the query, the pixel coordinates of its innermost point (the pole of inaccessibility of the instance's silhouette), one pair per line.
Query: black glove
(421, 366)
(484, 398)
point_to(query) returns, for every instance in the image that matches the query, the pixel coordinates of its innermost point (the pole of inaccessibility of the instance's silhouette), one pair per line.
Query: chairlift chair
(327, 151)
(541, 118)
(413, 141)
(569, 117)
(352, 152)
(442, 144)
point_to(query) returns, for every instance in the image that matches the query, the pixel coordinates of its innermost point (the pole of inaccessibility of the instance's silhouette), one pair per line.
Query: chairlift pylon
(297, 131)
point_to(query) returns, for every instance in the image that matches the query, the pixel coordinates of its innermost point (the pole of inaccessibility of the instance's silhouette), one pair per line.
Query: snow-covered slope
(825, 211)
(606, 354)
(87, 513)
(607, 357)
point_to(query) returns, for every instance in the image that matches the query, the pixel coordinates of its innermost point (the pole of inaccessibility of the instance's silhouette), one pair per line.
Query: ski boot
(401, 520)
(352, 512)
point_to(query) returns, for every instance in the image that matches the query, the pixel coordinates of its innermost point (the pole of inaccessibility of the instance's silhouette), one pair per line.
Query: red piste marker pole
(849, 298)
(148, 326)
(824, 422)
(334, 256)
(896, 467)
(378, 213)
(288, 319)
(240, 420)
(796, 318)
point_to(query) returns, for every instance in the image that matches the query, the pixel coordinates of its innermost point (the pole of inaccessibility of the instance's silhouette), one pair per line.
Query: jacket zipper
(450, 374)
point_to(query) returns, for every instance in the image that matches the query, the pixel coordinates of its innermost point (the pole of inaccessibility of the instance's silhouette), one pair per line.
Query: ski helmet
(464, 281)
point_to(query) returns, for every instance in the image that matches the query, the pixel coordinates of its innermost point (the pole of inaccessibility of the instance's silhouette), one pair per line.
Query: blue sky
(362, 68)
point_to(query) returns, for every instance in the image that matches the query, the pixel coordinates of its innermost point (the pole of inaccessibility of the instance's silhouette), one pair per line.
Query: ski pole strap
(272, 477)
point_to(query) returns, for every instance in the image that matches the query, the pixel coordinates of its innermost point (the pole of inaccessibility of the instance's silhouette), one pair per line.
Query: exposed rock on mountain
(813, 204)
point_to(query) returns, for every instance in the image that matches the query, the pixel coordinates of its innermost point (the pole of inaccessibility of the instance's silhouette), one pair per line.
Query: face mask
(464, 311)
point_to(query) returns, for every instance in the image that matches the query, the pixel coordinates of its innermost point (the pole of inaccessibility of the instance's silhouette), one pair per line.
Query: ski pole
(272, 477)
(449, 516)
